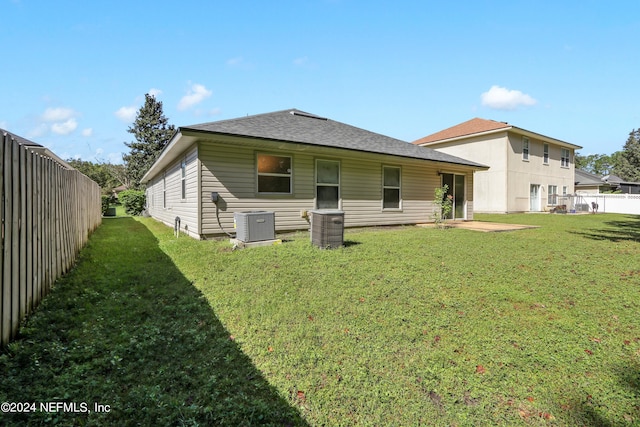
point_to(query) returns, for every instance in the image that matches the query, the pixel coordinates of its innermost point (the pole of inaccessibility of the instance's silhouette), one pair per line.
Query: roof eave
(196, 132)
(504, 129)
(465, 136)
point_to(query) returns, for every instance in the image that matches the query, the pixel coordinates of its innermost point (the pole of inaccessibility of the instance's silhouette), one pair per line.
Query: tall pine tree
(628, 166)
(152, 133)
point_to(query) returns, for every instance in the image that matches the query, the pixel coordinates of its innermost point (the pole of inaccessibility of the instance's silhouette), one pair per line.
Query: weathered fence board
(48, 213)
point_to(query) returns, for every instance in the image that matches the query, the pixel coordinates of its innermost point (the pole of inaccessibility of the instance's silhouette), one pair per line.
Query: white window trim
(550, 194)
(289, 175)
(399, 188)
(164, 190)
(545, 154)
(183, 179)
(319, 184)
(526, 143)
(563, 158)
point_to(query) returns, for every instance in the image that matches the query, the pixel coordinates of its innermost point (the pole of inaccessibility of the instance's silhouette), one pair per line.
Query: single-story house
(528, 172)
(290, 162)
(589, 183)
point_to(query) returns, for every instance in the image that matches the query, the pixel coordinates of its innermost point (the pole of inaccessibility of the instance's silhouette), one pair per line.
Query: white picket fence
(608, 203)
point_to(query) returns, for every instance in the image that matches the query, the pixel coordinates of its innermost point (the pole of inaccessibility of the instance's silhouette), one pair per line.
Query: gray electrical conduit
(220, 225)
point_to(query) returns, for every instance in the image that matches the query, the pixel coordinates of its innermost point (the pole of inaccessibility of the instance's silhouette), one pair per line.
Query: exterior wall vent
(327, 228)
(254, 226)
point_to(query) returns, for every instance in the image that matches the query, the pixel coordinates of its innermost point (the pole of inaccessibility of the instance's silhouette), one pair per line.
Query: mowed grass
(402, 326)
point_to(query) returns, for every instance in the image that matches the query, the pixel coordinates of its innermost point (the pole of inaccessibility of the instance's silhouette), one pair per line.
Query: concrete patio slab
(483, 226)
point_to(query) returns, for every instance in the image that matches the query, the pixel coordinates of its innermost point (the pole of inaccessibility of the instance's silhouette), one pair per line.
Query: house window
(391, 187)
(545, 156)
(552, 196)
(183, 179)
(564, 158)
(564, 190)
(274, 174)
(164, 190)
(525, 148)
(327, 184)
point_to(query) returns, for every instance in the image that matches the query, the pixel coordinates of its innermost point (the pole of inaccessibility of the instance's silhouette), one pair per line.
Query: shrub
(106, 201)
(443, 204)
(133, 201)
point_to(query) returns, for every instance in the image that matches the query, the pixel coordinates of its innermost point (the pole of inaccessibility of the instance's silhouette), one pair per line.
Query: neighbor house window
(525, 148)
(327, 184)
(564, 158)
(552, 196)
(390, 187)
(545, 156)
(274, 174)
(183, 178)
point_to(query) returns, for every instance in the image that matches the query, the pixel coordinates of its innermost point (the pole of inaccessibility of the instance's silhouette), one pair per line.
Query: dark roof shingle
(305, 128)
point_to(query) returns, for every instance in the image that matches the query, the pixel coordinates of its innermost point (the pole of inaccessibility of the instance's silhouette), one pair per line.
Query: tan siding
(186, 208)
(228, 168)
(230, 171)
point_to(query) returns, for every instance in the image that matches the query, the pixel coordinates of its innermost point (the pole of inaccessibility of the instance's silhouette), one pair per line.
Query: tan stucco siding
(490, 185)
(169, 185)
(524, 173)
(230, 170)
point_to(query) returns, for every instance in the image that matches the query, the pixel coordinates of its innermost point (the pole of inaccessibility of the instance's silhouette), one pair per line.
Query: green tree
(99, 172)
(599, 164)
(152, 132)
(628, 167)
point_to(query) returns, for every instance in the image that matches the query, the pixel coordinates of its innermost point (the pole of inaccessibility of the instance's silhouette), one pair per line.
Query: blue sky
(74, 73)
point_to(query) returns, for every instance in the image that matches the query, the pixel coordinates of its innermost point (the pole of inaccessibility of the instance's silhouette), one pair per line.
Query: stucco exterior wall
(506, 186)
(490, 186)
(524, 173)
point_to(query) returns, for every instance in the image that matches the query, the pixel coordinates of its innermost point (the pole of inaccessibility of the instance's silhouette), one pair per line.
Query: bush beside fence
(48, 212)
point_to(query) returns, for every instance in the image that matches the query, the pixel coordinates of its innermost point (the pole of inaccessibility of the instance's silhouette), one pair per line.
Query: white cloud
(115, 158)
(38, 131)
(87, 132)
(58, 114)
(194, 96)
(501, 98)
(238, 60)
(126, 114)
(155, 92)
(301, 61)
(64, 128)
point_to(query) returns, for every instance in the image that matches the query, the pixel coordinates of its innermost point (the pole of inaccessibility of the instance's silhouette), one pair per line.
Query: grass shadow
(620, 230)
(589, 411)
(125, 329)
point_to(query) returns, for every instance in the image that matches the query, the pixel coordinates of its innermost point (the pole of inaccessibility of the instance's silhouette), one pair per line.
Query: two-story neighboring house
(528, 172)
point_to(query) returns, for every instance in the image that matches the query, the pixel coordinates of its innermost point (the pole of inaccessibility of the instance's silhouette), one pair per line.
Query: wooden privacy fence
(48, 212)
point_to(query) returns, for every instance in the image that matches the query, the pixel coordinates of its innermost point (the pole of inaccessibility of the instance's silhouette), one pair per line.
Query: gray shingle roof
(586, 178)
(305, 128)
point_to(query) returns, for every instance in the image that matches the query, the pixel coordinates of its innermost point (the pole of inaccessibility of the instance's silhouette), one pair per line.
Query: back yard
(404, 326)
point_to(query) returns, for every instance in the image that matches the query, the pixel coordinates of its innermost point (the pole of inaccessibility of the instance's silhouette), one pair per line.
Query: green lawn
(403, 326)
